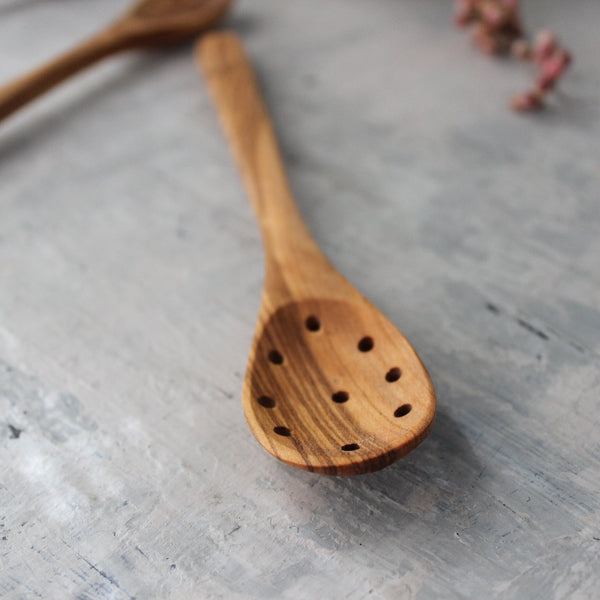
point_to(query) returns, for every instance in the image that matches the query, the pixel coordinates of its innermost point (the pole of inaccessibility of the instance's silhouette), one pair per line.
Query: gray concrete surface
(130, 276)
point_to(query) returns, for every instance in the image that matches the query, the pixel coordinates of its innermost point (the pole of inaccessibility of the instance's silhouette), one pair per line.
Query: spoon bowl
(332, 386)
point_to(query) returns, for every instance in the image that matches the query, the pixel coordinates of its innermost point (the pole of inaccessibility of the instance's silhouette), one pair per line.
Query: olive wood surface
(331, 385)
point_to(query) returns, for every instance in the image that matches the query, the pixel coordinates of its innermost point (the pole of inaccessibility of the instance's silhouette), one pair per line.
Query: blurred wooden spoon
(148, 23)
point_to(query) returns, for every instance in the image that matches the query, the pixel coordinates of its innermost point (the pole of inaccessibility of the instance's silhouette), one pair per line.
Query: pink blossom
(496, 28)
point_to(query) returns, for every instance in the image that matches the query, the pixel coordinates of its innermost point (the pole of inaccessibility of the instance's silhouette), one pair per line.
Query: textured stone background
(130, 276)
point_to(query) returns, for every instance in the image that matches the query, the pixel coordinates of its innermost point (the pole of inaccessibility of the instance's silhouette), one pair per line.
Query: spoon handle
(248, 127)
(23, 90)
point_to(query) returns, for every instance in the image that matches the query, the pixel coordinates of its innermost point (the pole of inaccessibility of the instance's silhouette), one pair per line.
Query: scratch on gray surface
(529, 327)
(111, 580)
(57, 414)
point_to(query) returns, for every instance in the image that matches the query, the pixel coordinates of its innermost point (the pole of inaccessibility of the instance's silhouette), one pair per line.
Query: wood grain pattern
(331, 385)
(148, 23)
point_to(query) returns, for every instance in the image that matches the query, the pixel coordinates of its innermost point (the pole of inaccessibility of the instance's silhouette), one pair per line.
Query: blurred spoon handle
(23, 90)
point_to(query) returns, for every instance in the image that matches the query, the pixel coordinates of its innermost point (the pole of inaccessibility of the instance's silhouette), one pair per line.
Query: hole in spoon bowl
(275, 357)
(266, 402)
(366, 344)
(312, 323)
(340, 397)
(350, 447)
(283, 431)
(402, 411)
(393, 374)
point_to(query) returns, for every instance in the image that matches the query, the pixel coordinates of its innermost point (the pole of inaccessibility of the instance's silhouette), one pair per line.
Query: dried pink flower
(496, 28)
(544, 45)
(520, 48)
(527, 101)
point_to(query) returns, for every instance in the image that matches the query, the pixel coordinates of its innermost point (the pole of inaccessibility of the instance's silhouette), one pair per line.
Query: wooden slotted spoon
(148, 23)
(331, 386)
